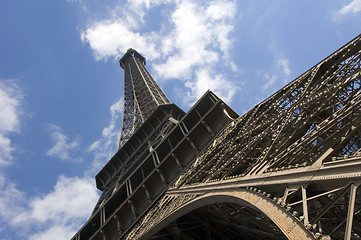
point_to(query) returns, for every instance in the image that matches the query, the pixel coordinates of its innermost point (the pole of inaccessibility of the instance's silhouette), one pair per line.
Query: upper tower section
(142, 94)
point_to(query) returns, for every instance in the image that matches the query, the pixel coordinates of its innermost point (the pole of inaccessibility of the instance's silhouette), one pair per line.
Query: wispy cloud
(11, 98)
(12, 202)
(62, 147)
(199, 36)
(56, 215)
(11, 199)
(52, 214)
(198, 42)
(206, 80)
(59, 213)
(283, 64)
(280, 74)
(353, 7)
(112, 38)
(193, 39)
(103, 148)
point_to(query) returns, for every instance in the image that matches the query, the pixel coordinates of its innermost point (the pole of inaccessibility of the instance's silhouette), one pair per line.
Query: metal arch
(292, 228)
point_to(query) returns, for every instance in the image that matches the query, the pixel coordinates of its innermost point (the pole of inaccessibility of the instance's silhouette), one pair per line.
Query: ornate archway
(182, 205)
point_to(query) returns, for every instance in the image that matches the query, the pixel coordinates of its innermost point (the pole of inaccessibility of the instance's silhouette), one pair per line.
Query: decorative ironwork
(299, 145)
(289, 168)
(142, 94)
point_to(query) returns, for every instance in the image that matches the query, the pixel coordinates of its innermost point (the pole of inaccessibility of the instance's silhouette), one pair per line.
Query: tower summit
(142, 94)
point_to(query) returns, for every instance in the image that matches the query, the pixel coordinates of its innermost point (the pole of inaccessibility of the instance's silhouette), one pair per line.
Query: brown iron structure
(289, 168)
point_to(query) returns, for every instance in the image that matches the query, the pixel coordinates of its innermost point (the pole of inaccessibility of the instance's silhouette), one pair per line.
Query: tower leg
(350, 212)
(304, 205)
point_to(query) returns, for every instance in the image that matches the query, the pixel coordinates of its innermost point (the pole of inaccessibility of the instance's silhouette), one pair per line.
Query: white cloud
(62, 147)
(353, 7)
(199, 37)
(116, 111)
(106, 146)
(11, 202)
(58, 206)
(199, 41)
(10, 102)
(280, 74)
(283, 64)
(204, 81)
(54, 233)
(138, 9)
(193, 38)
(270, 81)
(112, 38)
(189, 41)
(58, 214)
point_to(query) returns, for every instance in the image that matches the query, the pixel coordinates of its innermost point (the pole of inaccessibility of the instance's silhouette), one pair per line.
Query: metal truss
(289, 168)
(142, 94)
(318, 114)
(300, 150)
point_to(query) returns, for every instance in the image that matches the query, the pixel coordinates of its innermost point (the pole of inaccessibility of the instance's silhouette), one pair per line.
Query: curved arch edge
(289, 225)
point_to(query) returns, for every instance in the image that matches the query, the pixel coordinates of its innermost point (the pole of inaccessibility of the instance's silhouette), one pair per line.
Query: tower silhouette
(142, 94)
(289, 168)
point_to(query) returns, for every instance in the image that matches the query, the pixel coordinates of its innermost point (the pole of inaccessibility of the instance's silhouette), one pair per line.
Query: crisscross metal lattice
(142, 94)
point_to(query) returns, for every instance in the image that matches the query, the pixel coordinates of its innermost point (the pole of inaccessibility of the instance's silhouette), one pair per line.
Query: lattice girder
(142, 94)
(296, 124)
(313, 121)
(287, 168)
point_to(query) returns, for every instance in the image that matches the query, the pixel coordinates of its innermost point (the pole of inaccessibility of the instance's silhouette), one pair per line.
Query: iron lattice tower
(289, 168)
(142, 94)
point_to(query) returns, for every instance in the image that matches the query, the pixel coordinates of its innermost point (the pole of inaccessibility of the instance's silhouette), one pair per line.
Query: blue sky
(61, 87)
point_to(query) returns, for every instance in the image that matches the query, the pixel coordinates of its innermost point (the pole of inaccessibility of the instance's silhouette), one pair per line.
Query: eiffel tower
(289, 168)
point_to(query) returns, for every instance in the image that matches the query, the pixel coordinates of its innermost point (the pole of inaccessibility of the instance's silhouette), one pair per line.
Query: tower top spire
(128, 54)
(142, 95)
